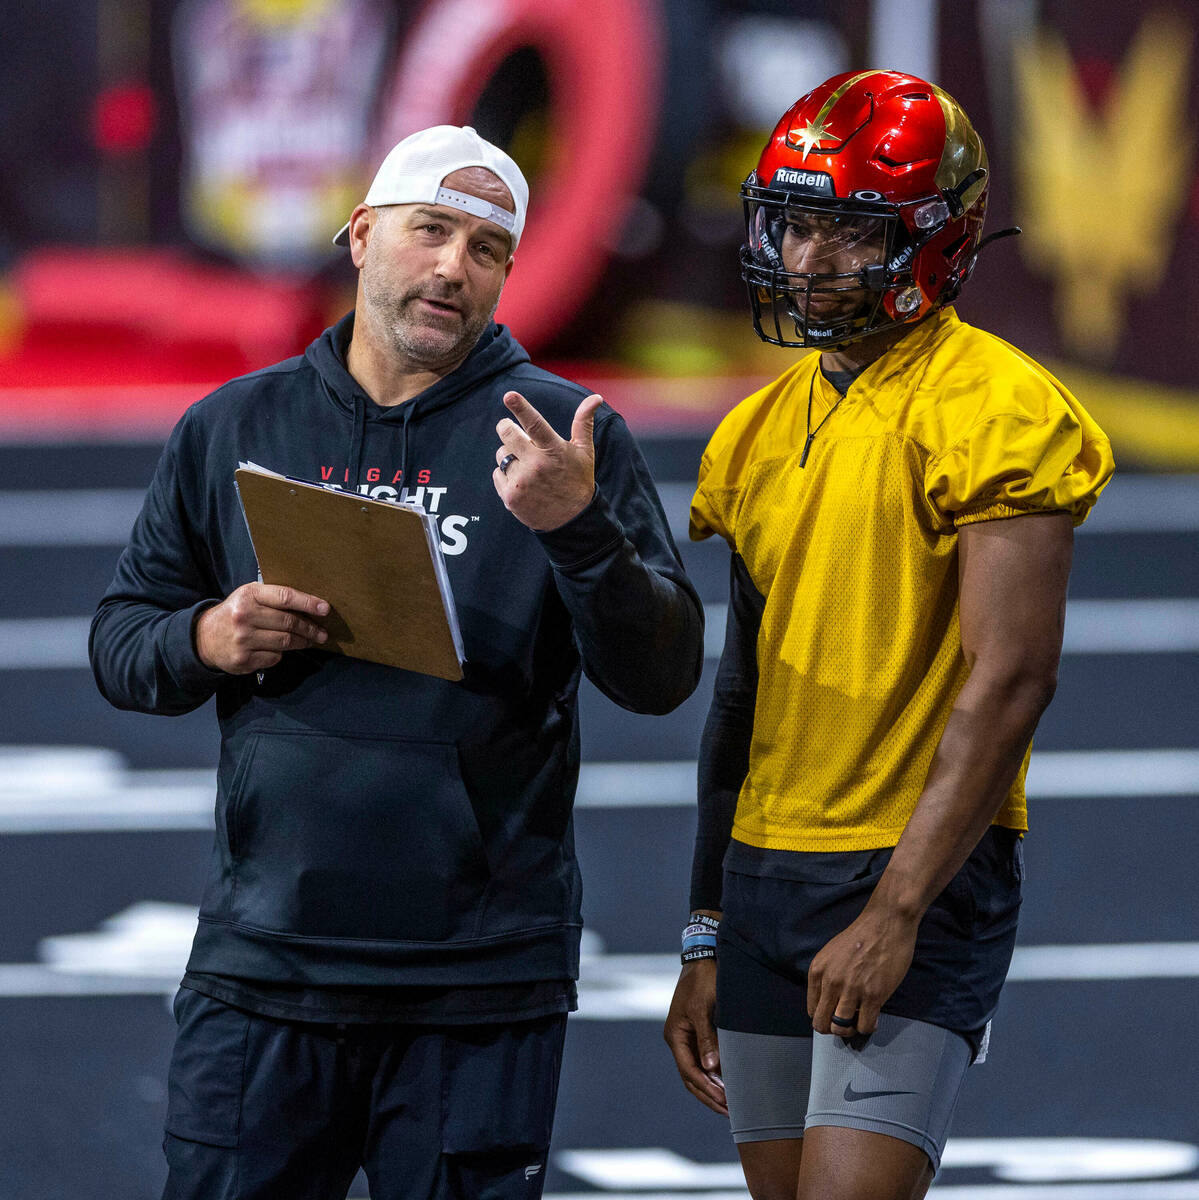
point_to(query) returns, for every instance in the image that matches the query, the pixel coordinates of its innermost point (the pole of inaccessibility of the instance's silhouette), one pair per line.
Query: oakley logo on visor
(476, 207)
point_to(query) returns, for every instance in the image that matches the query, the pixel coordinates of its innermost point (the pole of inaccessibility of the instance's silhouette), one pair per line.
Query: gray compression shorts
(902, 1081)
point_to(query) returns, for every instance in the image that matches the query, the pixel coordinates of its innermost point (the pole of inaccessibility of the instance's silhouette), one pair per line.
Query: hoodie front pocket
(355, 837)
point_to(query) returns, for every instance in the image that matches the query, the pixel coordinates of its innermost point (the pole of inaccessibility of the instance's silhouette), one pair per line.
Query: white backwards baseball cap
(414, 168)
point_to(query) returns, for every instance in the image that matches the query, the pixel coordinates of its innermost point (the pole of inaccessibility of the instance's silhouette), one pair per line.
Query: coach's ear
(362, 222)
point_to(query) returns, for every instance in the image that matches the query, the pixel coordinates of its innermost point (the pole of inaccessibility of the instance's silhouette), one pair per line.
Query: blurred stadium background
(172, 175)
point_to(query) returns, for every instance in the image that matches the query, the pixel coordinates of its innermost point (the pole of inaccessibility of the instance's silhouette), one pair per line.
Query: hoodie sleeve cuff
(591, 535)
(179, 651)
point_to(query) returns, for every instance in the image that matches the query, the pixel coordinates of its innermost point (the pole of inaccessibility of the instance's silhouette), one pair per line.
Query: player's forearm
(979, 753)
(640, 632)
(637, 619)
(723, 763)
(728, 733)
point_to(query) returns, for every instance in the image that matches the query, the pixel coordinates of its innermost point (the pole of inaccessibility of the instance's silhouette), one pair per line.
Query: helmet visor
(803, 240)
(818, 266)
(833, 243)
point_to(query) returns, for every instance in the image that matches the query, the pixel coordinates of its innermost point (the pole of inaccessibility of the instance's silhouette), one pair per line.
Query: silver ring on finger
(506, 462)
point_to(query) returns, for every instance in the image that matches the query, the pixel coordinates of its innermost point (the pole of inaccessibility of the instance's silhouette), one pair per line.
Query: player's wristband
(699, 938)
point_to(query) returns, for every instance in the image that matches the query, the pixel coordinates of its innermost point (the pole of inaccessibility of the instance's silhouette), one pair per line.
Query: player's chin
(824, 309)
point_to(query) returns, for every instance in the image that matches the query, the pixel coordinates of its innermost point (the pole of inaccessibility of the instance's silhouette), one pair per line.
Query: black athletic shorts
(782, 907)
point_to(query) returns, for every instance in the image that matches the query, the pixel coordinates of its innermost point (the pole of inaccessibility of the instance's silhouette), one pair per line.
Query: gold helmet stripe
(828, 105)
(814, 133)
(964, 151)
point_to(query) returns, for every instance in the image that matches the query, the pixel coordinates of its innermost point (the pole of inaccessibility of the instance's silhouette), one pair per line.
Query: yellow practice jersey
(859, 652)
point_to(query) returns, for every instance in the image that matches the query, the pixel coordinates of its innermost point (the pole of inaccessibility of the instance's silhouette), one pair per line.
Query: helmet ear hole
(955, 247)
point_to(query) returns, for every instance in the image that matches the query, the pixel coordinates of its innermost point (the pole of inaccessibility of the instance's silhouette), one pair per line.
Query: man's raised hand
(549, 480)
(252, 627)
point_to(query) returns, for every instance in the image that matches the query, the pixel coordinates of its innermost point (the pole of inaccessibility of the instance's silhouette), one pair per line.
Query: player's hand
(551, 480)
(691, 1035)
(252, 627)
(855, 974)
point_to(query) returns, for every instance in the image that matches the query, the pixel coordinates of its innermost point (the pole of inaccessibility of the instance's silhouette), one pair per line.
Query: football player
(900, 508)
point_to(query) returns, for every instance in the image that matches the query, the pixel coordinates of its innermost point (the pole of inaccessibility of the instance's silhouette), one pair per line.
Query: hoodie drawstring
(404, 446)
(355, 449)
(357, 437)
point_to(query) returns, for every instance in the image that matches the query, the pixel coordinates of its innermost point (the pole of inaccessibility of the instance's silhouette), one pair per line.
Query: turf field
(1090, 1090)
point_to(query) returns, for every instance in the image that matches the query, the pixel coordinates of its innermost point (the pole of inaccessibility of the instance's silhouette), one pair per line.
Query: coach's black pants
(263, 1109)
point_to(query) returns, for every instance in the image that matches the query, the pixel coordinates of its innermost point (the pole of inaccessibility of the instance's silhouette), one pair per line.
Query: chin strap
(991, 237)
(994, 237)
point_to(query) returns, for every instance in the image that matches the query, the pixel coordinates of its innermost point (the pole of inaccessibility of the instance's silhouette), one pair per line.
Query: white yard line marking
(93, 517)
(76, 789)
(44, 643)
(1153, 1190)
(719, 1194)
(27, 980)
(104, 516)
(143, 949)
(1053, 774)
(1042, 1162)
(1129, 504)
(1178, 1189)
(629, 987)
(1132, 960)
(1092, 627)
(1131, 627)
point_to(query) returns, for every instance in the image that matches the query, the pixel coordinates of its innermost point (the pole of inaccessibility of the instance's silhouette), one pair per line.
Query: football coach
(389, 934)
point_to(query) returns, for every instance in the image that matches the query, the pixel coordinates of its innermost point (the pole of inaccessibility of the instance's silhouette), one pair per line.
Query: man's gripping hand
(549, 480)
(252, 627)
(855, 974)
(691, 1035)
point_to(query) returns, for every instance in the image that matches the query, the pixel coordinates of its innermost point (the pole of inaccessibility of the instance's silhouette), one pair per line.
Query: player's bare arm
(1012, 578)
(545, 480)
(690, 1031)
(253, 626)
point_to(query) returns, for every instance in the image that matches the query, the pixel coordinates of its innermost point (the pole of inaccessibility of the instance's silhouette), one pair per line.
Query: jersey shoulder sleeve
(1009, 438)
(761, 426)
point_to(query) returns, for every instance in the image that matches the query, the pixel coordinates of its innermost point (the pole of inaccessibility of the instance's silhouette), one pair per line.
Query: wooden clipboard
(377, 563)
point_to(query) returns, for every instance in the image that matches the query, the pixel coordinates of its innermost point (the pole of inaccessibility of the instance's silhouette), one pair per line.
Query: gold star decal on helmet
(811, 136)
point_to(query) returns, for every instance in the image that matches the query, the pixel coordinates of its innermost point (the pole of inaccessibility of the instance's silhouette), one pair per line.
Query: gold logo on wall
(1099, 195)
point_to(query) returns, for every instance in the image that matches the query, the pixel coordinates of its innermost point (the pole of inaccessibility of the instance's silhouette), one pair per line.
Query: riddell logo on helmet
(813, 181)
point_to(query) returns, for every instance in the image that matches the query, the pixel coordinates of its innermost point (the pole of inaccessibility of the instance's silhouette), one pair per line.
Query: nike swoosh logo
(850, 1094)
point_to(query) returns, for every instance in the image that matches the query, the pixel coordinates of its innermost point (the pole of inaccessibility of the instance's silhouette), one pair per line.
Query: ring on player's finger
(506, 462)
(844, 1022)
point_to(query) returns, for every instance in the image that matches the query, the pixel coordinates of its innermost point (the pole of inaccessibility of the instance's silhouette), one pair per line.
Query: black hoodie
(373, 825)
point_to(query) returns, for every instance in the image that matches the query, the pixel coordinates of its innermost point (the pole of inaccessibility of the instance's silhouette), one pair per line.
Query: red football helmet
(879, 178)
